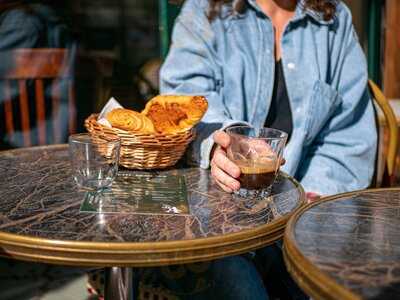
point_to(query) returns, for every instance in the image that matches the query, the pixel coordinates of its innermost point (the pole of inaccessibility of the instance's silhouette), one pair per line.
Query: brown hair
(326, 8)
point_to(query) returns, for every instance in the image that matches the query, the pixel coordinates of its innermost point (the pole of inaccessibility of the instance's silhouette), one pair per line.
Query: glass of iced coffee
(258, 153)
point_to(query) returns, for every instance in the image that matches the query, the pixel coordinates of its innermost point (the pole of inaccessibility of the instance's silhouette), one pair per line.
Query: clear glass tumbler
(258, 153)
(94, 160)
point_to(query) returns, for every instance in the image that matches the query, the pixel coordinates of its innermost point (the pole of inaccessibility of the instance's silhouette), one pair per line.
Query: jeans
(271, 266)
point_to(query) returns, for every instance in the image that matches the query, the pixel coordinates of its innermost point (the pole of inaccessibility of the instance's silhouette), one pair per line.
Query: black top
(280, 115)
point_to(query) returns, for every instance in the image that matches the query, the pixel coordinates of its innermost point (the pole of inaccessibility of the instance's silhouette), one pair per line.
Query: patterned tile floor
(74, 290)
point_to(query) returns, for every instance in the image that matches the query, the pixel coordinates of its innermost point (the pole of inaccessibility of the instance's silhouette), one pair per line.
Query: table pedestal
(118, 284)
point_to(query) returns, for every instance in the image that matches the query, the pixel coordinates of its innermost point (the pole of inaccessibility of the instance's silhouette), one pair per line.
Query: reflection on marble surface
(140, 193)
(39, 198)
(356, 240)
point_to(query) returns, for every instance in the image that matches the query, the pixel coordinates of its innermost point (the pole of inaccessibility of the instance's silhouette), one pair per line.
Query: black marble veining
(39, 198)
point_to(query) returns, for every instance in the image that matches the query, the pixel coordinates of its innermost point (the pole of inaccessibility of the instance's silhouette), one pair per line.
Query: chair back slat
(71, 108)
(36, 63)
(55, 103)
(8, 111)
(40, 111)
(24, 112)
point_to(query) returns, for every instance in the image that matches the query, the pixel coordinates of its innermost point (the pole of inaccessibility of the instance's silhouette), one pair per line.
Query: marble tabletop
(40, 217)
(347, 247)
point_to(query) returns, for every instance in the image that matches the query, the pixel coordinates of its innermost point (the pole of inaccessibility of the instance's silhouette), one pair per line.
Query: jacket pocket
(323, 103)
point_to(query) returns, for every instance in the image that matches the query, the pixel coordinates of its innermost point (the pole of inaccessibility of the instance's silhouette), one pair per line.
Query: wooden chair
(37, 67)
(388, 144)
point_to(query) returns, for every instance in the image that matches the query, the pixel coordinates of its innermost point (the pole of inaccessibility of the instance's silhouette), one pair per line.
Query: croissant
(170, 113)
(130, 120)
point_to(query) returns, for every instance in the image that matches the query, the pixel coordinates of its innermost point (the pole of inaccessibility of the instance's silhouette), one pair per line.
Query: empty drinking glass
(94, 160)
(258, 153)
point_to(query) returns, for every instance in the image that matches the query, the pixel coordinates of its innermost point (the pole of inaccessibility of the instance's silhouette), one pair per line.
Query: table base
(118, 284)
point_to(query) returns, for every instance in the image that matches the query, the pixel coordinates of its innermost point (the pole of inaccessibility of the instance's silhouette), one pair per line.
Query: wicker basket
(141, 150)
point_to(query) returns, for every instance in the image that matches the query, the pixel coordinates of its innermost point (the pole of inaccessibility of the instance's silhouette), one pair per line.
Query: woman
(292, 65)
(321, 74)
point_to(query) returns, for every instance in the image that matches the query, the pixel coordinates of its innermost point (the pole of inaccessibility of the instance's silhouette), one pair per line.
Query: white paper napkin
(110, 105)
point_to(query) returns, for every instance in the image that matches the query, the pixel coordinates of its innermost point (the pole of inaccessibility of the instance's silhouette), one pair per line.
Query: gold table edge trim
(315, 282)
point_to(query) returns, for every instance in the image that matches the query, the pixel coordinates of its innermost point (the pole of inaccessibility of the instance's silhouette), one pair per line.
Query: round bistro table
(41, 220)
(347, 246)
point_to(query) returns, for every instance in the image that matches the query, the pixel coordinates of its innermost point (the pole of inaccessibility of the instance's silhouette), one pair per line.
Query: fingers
(312, 197)
(224, 179)
(225, 171)
(222, 138)
(223, 186)
(224, 163)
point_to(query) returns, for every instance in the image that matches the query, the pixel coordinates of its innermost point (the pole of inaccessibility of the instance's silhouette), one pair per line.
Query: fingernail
(236, 173)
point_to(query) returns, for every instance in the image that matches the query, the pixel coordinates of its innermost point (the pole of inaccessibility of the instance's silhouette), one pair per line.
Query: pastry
(130, 120)
(170, 113)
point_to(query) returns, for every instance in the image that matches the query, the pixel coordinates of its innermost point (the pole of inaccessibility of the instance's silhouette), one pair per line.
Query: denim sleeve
(192, 68)
(351, 129)
(20, 29)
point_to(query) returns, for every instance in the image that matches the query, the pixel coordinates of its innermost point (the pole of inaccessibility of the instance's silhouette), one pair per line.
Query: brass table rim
(315, 282)
(219, 240)
(129, 248)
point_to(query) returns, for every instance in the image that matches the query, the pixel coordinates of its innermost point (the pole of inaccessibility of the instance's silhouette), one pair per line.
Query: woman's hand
(312, 197)
(223, 170)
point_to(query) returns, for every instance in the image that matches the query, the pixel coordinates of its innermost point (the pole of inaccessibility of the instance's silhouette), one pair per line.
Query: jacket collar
(300, 13)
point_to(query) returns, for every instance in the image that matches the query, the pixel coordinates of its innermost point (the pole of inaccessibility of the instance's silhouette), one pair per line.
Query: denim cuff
(200, 150)
(209, 143)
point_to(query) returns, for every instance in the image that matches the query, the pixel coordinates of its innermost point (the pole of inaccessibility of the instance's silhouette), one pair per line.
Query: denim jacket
(230, 60)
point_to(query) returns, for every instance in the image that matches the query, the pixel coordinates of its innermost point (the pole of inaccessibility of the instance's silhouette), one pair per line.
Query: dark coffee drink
(258, 153)
(257, 177)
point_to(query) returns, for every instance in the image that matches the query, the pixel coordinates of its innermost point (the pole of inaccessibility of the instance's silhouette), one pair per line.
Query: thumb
(222, 138)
